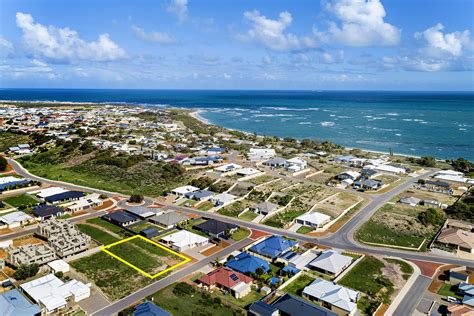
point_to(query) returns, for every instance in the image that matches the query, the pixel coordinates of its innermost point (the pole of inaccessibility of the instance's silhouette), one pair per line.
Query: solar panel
(234, 277)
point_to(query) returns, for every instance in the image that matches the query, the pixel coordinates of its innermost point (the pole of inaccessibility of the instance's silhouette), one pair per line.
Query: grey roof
(275, 161)
(410, 200)
(170, 218)
(266, 206)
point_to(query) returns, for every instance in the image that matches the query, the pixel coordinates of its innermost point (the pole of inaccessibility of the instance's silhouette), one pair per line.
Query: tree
(26, 271)
(3, 164)
(136, 198)
(183, 289)
(427, 161)
(431, 217)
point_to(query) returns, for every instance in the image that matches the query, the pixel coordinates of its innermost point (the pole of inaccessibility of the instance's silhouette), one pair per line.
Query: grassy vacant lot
(109, 227)
(296, 287)
(253, 296)
(97, 234)
(396, 225)
(240, 234)
(304, 229)
(283, 218)
(248, 216)
(114, 278)
(235, 208)
(262, 179)
(406, 268)
(206, 206)
(335, 205)
(367, 277)
(22, 200)
(194, 303)
(145, 255)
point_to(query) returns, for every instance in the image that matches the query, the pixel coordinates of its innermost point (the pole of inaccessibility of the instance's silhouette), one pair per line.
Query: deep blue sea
(412, 123)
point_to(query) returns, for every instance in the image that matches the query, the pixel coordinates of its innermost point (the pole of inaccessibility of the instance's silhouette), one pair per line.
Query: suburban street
(342, 239)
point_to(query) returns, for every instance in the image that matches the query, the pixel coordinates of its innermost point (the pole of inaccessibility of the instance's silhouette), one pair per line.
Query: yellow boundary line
(105, 249)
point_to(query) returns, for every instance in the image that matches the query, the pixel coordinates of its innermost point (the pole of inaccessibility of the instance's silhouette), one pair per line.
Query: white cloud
(361, 24)
(327, 58)
(227, 76)
(158, 37)
(6, 47)
(271, 33)
(64, 44)
(439, 43)
(179, 8)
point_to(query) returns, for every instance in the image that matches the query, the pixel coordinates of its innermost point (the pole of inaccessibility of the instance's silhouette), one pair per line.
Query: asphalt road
(413, 297)
(175, 277)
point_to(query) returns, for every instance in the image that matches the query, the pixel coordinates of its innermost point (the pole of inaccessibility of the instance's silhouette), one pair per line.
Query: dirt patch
(427, 268)
(395, 274)
(440, 278)
(5, 231)
(8, 271)
(3, 254)
(381, 310)
(256, 234)
(215, 249)
(108, 203)
(28, 240)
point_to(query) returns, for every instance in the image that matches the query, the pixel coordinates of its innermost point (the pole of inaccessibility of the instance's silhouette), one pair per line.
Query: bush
(431, 217)
(3, 164)
(183, 289)
(26, 271)
(136, 198)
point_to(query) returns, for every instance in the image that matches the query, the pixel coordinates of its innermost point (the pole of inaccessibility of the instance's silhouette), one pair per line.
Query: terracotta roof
(225, 277)
(455, 236)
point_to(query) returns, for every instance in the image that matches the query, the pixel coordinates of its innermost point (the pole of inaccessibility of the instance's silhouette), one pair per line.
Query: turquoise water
(413, 123)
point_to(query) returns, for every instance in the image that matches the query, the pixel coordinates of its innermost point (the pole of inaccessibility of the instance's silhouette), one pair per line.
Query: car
(451, 299)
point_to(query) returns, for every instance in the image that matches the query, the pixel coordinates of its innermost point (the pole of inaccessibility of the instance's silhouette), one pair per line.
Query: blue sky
(217, 44)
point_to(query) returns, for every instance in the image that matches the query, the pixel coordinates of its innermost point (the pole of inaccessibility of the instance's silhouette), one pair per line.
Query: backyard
(296, 287)
(21, 201)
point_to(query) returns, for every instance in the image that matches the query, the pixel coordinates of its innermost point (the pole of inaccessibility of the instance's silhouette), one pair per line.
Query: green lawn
(367, 277)
(206, 206)
(23, 200)
(114, 278)
(109, 226)
(248, 216)
(281, 219)
(137, 256)
(449, 290)
(296, 287)
(232, 210)
(305, 229)
(253, 296)
(138, 228)
(240, 234)
(97, 234)
(195, 303)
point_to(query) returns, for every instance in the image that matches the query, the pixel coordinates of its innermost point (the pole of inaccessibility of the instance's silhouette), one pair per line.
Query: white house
(260, 154)
(181, 191)
(335, 297)
(296, 164)
(15, 219)
(88, 201)
(223, 199)
(227, 168)
(388, 169)
(59, 265)
(183, 240)
(314, 219)
(52, 294)
(42, 194)
(248, 172)
(331, 262)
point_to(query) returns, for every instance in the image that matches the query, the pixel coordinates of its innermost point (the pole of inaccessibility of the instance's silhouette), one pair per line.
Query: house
(238, 284)
(42, 194)
(214, 151)
(313, 219)
(468, 300)
(29, 254)
(369, 173)
(183, 240)
(121, 218)
(331, 262)
(273, 247)
(86, 202)
(432, 203)
(457, 238)
(149, 309)
(339, 299)
(348, 175)
(43, 212)
(59, 265)
(142, 212)
(275, 163)
(301, 260)
(343, 159)
(264, 208)
(200, 195)
(181, 191)
(216, 229)
(465, 288)
(296, 164)
(12, 303)
(63, 197)
(288, 305)
(228, 168)
(168, 220)
(246, 263)
(223, 199)
(260, 154)
(410, 200)
(368, 184)
(248, 172)
(15, 219)
(7, 183)
(52, 294)
(388, 169)
(149, 232)
(457, 277)
(437, 186)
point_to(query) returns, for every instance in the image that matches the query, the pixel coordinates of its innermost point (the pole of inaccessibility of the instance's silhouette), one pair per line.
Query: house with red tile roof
(229, 280)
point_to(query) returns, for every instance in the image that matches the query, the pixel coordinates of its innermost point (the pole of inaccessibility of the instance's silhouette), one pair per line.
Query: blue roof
(246, 263)
(120, 217)
(294, 306)
(468, 300)
(12, 303)
(217, 149)
(274, 280)
(149, 309)
(466, 288)
(5, 186)
(291, 269)
(47, 210)
(64, 196)
(273, 246)
(262, 309)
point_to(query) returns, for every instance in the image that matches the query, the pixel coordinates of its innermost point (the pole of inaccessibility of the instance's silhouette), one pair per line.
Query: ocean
(440, 124)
